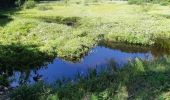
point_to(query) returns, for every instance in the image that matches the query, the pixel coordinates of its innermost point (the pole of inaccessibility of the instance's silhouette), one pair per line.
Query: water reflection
(22, 59)
(96, 58)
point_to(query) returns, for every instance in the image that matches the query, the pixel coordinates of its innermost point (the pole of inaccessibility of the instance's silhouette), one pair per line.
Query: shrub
(29, 4)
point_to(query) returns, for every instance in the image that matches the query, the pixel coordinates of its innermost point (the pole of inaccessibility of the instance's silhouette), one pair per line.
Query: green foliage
(70, 21)
(136, 1)
(29, 4)
(67, 34)
(3, 80)
(53, 97)
(39, 91)
(162, 2)
(129, 27)
(70, 31)
(19, 27)
(44, 7)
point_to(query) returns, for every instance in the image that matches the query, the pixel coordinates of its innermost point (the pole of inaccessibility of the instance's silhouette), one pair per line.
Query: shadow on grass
(6, 15)
(21, 58)
(151, 85)
(4, 19)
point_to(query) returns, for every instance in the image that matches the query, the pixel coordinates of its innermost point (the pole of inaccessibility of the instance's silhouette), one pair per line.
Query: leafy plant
(29, 4)
(38, 91)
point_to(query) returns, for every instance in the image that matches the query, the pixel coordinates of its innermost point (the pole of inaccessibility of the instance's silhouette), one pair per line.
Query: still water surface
(97, 57)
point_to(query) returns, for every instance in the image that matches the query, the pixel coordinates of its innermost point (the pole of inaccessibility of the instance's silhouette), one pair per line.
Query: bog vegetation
(68, 29)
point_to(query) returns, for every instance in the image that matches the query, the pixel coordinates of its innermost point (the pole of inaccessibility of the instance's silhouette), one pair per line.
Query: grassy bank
(137, 80)
(68, 31)
(30, 38)
(161, 2)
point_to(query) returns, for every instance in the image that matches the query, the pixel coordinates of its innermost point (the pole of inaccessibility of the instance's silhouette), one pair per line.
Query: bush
(29, 4)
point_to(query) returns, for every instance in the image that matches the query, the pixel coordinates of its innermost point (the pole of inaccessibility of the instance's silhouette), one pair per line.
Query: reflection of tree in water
(37, 76)
(161, 47)
(23, 59)
(156, 50)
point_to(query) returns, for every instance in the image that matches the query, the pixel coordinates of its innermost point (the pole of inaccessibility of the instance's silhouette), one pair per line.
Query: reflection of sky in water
(97, 57)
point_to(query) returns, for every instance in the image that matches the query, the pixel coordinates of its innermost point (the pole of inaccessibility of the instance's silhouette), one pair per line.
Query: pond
(97, 58)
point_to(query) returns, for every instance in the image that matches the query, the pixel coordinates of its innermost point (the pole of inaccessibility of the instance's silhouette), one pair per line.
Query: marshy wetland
(81, 50)
(97, 58)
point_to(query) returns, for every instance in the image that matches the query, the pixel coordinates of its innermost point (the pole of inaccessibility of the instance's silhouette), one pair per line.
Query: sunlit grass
(81, 26)
(70, 30)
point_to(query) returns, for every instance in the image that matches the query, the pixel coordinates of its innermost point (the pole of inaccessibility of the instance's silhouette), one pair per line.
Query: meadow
(74, 28)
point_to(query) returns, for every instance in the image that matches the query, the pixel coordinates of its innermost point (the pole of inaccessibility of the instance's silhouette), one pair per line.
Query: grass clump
(136, 1)
(161, 2)
(19, 26)
(44, 7)
(29, 4)
(64, 41)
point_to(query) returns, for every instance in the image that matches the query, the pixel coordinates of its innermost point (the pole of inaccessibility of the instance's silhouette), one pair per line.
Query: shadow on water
(26, 64)
(159, 49)
(125, 47)
(21, 58)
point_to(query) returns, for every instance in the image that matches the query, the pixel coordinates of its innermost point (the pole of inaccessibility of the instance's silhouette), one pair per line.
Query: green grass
(31, 37)
(162, 2)
(70, 30)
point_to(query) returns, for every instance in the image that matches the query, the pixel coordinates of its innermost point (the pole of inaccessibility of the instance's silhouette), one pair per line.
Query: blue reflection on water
(98, 56)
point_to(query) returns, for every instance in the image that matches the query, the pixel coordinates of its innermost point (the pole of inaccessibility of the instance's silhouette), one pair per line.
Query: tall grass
(162, 2)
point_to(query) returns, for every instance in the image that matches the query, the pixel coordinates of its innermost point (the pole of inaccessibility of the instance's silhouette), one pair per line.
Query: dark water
(97, 57)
